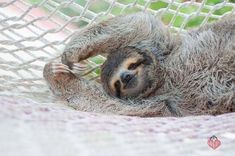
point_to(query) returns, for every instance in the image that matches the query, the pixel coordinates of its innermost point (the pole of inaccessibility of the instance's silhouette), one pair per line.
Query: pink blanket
(28, 128)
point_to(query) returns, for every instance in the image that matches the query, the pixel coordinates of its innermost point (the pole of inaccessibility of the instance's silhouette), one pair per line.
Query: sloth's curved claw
(79, 69)
(59, 68)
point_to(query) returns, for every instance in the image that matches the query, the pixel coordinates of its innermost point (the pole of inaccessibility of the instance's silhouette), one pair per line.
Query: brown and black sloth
(148, 71)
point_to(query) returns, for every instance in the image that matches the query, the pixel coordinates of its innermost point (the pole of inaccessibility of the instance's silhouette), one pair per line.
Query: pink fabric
(31, 128)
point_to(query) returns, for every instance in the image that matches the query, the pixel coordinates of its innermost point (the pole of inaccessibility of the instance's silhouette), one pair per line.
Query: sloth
(149, 71)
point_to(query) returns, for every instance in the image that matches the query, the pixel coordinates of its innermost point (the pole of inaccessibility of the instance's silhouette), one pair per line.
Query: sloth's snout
(126, 77)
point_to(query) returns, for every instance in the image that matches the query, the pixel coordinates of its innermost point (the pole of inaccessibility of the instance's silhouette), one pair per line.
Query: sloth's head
(131, 73)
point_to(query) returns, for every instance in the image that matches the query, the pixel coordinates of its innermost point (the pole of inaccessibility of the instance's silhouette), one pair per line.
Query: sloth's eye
(133, 66)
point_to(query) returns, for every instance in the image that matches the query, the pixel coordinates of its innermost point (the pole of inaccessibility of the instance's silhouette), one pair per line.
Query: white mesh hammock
(34, 32)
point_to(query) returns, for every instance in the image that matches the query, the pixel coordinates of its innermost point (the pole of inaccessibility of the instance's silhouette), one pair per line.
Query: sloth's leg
(115, 33)
(223, 104)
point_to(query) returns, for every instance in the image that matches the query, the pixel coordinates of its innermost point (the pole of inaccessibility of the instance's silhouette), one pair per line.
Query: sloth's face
(130, 73)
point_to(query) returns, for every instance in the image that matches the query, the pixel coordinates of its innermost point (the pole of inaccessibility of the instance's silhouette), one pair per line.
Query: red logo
(213, 142)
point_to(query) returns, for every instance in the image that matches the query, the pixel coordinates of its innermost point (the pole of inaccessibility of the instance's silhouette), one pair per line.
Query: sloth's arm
(85, 96)
(107, 36)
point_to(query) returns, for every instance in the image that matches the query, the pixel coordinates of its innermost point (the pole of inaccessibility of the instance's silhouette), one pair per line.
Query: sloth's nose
(126, 77)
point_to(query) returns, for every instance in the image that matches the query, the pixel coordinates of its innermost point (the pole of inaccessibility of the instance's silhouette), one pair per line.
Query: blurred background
(98, 6)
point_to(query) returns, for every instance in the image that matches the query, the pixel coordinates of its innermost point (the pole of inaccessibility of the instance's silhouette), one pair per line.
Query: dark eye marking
(133, 66)
(117, 86)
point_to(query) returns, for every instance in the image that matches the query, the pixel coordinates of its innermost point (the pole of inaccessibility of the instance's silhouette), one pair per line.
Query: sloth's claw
(59, 68)
(79, 69)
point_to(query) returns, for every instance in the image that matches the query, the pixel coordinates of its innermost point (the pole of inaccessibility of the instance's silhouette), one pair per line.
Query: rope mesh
(35, 32)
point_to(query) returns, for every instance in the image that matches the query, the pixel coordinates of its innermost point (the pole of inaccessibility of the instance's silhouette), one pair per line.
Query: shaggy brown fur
(197, 70)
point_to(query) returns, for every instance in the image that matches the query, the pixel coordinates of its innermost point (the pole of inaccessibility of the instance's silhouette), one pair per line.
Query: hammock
(33, 122)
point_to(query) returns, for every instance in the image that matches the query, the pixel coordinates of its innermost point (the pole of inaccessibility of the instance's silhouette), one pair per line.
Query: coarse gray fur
(197, 69)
